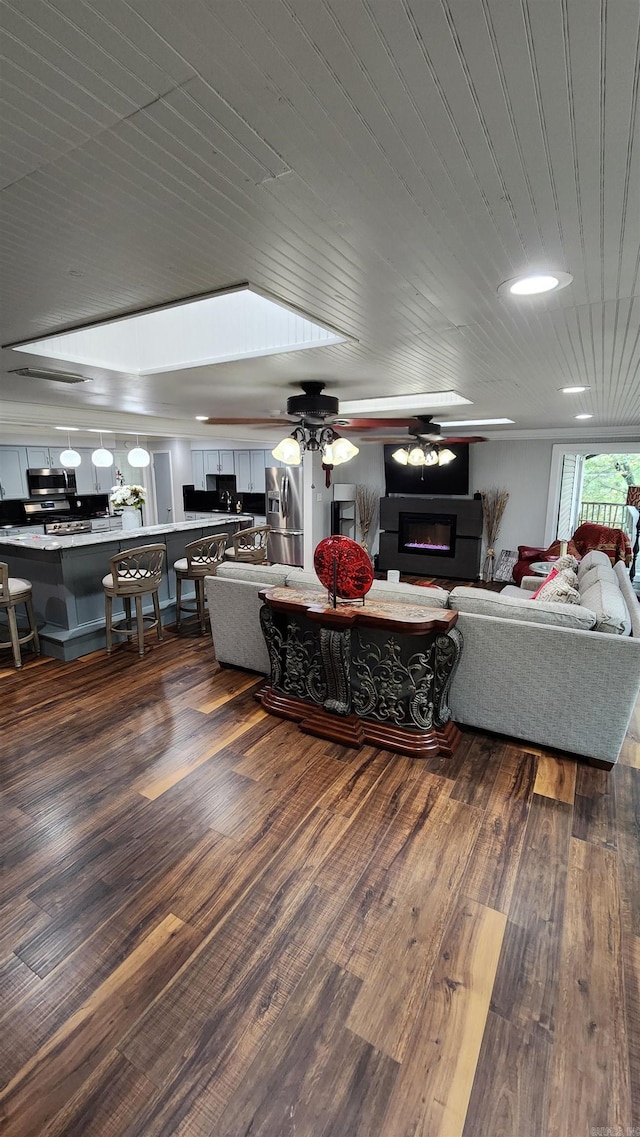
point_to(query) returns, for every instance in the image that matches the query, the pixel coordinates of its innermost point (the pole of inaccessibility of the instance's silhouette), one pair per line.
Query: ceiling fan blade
(465, 441)
(248, 421)
(390, 439)
(409, 440)
(376, 423)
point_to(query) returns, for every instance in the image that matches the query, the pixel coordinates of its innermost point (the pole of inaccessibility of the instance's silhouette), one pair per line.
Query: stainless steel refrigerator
(284, 509)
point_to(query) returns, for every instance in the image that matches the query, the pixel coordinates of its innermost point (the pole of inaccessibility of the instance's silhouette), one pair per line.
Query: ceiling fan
(313, 410)
(316, 416)
(424, 444)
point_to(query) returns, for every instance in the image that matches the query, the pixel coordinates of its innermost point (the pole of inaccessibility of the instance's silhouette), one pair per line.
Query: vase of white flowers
(128, 501)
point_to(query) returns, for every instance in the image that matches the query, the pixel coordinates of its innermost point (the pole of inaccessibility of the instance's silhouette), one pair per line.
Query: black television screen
(439, 480)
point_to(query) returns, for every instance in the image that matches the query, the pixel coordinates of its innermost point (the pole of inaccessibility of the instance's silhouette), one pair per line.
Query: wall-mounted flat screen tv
(452, 479)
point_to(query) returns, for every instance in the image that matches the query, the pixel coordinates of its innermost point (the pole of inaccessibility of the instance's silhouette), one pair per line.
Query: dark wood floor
(214, 926)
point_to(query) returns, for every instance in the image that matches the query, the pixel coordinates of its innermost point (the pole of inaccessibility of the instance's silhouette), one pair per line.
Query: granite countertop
(144, 535)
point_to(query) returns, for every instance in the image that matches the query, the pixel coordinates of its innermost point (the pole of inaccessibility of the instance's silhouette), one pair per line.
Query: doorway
(163, 488)
(567, 504)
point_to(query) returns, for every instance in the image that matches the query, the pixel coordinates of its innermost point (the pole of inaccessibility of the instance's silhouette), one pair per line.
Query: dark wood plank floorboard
(211, 924)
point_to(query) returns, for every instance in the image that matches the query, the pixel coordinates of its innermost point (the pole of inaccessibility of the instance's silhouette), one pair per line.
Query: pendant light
(102, 457)
(138, 457)
(69, 458)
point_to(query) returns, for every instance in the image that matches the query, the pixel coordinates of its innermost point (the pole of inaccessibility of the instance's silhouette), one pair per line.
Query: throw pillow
(552, 575)
(560, 589)
(566, 562)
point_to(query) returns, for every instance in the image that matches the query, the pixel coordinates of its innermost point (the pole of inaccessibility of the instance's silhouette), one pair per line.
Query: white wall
(522, 468)
(317, 506)
(366, 469)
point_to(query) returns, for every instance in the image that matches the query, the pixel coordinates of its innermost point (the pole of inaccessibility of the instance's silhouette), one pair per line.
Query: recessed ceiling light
(239, 323)
(574, 390)
(202, 418)
(403, 402)
(479, 422)
(534, 283)
(584, 416)
(67, 428)
(99, 430)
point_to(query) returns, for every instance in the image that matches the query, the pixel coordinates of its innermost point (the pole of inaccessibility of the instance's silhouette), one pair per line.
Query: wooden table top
(413, 619)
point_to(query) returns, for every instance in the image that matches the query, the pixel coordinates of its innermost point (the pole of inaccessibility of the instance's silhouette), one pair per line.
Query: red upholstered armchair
(613, 542)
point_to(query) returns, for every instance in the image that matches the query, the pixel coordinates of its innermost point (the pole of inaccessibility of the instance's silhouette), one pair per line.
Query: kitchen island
(66, 575)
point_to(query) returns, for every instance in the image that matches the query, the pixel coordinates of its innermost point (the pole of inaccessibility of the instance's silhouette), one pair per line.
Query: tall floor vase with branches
(366, 505)
(494, 503)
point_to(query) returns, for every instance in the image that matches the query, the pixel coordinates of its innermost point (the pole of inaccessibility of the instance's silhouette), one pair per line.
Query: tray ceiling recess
(239, 323)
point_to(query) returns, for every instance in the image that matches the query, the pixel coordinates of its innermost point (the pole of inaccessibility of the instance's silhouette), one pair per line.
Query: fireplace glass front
(427, 534)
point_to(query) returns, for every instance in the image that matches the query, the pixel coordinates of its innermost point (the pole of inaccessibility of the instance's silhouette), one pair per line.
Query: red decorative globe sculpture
(344, 567)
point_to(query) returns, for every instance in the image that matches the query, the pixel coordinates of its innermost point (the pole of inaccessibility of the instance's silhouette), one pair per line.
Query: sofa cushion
(272, 575)
(298, 578)
(410, 594)
(630, 597)
(597, 572)
(510, 607)
(594, 557)
(382, 589)
(605, 599)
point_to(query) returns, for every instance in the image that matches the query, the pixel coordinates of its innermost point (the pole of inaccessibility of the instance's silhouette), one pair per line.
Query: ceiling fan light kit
(423, 454)
(335, 449)
(311, 433)
(288, 451)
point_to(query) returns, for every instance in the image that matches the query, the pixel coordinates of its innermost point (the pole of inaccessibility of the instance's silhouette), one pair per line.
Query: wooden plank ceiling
(382, 165)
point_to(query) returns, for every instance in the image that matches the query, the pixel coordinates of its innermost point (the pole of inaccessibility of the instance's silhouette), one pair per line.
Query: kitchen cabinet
(217, 462)
(247, 465)
(250, 467)
(13, 476)
(197, 466)
(39, 457)
(210, 462)
(93, 479)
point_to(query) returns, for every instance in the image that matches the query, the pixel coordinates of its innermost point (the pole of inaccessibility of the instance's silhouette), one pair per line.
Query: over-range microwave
(50, 482)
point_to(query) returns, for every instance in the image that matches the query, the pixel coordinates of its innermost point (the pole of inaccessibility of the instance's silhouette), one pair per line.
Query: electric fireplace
(433, 534)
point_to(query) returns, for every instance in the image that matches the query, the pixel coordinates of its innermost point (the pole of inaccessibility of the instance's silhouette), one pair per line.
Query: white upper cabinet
(39, 457)
(93, 479)
(250, 467)
(243, 471)
(13, 479)
(210, 462)
(197, 463)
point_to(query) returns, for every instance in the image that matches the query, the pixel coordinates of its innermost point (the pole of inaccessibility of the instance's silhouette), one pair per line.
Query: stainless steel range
(64, 528)
(56, 515)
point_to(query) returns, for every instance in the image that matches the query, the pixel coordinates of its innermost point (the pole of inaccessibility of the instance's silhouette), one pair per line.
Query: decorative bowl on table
(343, 567)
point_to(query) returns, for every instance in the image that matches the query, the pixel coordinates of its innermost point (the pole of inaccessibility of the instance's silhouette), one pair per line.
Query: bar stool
(202, 559)
(249, 546)
(134, 574)
(14, 591)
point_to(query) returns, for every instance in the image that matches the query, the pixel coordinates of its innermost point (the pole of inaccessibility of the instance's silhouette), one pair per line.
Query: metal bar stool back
(202, 559)
(250, 545)
(132, 575)
(14, 591)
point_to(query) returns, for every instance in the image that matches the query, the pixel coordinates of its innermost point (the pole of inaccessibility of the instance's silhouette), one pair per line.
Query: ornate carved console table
(377, 674)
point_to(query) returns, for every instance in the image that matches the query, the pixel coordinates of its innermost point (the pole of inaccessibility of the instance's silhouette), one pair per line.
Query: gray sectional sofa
(544, 673)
